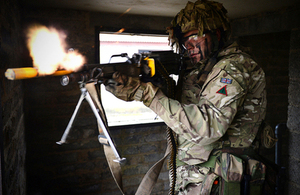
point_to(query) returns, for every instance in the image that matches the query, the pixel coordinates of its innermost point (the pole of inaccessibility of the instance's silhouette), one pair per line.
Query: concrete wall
(12, 142)
(293, 113)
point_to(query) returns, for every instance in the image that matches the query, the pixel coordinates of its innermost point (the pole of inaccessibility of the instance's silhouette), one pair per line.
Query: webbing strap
(115, 168)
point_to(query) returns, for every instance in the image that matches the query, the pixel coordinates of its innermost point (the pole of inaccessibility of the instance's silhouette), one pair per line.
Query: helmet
(203, 16)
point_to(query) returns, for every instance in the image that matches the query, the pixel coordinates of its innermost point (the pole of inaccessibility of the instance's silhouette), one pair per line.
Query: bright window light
(119, 112)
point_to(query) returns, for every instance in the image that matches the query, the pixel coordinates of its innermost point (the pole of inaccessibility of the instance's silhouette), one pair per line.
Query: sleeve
(207, 121)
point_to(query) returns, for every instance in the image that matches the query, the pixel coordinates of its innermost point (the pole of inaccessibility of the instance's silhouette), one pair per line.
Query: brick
(156, 137)
(132, 139)
(128, 150)
(134, 159)
(131, 181)
(96, 154)
(145, 148)
(153, 157)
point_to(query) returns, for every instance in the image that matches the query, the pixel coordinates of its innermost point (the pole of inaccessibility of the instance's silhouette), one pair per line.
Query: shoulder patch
(223, 90)
(226, 80)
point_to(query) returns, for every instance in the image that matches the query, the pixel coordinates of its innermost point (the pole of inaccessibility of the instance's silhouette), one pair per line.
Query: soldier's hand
(122, 86)
(131, 88)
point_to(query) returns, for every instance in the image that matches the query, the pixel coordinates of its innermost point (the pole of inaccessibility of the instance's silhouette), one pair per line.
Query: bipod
(103, 139)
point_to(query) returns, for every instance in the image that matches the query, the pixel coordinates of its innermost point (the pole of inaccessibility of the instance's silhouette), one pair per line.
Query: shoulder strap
(151, 176)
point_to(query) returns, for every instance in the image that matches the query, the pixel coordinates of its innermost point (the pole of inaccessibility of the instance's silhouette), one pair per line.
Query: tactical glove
(130, 88)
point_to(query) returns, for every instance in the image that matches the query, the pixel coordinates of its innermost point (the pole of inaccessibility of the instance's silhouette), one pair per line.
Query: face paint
(190, 40)
(198, 48)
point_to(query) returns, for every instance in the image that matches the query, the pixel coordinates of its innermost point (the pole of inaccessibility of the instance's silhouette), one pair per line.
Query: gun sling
(114, 167)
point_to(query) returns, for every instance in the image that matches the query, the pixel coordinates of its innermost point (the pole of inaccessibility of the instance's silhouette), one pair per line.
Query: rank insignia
(226, 80)
(223, 90)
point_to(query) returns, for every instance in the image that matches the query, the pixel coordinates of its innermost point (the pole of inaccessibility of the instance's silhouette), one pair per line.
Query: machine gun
(148, 64)
(155, 66)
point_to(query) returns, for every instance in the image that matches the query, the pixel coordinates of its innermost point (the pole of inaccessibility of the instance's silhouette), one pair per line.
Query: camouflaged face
(228, 108)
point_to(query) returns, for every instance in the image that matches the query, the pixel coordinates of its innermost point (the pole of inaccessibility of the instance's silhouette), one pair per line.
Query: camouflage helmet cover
(201, 15)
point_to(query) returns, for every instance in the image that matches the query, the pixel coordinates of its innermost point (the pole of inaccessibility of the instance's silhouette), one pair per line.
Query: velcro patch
(226, 80)
(220, 94)
(223, 90)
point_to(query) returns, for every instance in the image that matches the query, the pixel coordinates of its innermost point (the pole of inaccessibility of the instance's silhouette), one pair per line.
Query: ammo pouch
(235, 175)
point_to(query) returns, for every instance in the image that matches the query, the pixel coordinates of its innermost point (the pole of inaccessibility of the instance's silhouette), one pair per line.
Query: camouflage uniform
(227, 109)
(223, 112)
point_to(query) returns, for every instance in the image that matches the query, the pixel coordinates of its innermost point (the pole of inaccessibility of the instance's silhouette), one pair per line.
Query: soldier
(222, 105)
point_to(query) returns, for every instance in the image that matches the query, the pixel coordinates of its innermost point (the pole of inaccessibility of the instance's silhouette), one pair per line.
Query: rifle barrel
(28, 72)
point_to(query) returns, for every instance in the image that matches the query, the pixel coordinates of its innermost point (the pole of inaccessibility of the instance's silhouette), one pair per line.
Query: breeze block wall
(279, 30)
(271, 52)
(12, 142)
(80, 167)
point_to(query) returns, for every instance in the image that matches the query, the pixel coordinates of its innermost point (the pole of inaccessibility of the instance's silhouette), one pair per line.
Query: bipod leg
(67, 131)
(103, 127)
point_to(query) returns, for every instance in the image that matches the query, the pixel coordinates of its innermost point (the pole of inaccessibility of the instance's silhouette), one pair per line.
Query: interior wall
(12, 142)
(79, 167)
(281, 26)
(271, 52)
(293, 156)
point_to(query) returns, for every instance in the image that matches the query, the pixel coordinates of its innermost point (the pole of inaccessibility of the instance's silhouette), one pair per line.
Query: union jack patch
(226, 80)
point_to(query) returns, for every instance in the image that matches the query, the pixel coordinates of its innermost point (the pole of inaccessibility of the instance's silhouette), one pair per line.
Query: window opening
(118, 111)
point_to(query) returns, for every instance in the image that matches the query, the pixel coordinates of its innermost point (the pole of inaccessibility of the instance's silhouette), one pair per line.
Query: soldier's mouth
(194, 55)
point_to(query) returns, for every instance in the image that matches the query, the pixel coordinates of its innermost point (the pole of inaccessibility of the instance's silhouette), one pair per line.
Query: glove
(130, 88)
(122, 86)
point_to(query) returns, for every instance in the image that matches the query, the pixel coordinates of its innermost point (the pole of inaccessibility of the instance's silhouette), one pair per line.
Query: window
(120, 112)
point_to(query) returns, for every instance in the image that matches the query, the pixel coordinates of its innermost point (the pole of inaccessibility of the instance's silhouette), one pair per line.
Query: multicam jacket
(227, 109)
